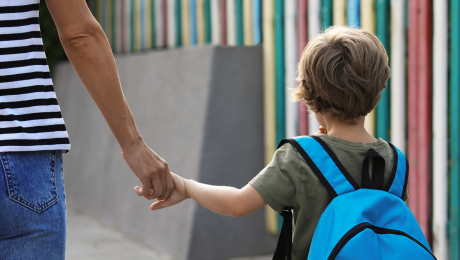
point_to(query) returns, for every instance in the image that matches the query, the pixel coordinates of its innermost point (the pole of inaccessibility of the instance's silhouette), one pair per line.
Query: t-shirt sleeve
(279, 182)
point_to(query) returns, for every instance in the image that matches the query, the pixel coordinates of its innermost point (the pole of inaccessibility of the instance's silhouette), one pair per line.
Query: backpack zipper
(363, 226)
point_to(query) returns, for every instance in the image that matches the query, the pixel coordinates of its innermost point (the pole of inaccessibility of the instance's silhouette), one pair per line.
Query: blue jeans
(32, 206)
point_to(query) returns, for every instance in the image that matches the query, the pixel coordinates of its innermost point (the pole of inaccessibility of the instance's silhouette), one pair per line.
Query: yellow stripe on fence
(185, 11)
(368, 23)
(339, 12)
(269, 96)
(247, 22)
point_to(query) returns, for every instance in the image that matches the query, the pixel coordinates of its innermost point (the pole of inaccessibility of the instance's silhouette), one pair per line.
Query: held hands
(152, 171)
(157, 181)
(178, 195)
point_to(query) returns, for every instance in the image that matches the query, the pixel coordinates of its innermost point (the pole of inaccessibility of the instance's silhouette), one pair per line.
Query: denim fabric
(32, 203)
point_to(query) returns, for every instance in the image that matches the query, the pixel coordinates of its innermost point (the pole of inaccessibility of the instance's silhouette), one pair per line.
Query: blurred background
(180, 55)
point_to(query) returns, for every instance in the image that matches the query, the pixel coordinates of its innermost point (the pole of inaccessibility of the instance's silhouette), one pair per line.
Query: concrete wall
(201, 109)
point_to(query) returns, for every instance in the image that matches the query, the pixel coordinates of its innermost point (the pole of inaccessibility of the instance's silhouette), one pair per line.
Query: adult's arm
(89, 52)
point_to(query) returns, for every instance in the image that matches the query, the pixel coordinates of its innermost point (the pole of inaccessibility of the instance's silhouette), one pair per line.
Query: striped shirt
(30, 117)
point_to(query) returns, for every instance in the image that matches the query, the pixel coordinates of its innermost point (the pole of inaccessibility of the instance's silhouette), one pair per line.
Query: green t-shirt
(288, 181)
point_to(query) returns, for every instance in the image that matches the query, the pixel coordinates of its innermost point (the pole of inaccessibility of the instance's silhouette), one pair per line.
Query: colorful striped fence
(419, 111)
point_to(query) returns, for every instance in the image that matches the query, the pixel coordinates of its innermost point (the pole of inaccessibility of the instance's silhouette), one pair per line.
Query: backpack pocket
(30, 178)
(366, 241)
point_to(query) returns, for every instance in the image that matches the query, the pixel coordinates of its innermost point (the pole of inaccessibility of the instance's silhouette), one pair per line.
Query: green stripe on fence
(454, 107)
(326, 14)
(383, 32)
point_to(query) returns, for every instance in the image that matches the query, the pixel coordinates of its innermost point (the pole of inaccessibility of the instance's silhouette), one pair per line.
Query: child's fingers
(161, 204)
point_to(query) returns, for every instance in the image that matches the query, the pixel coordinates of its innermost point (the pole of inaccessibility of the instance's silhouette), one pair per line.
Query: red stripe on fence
(424, 116)
(165, 22)
(419, 112)
(223, 22)
(302, 23)
(122, 27)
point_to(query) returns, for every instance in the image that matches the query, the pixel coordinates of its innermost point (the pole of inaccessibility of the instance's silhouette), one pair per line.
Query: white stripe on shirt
(34, 136)
(34, 148)
(25, 69)
(22, 56)
(20, 43)
(18, 16)
(26, 83)
(32, 123)
(29, 110)
(18, 2)
(28, 96)
(20, 29)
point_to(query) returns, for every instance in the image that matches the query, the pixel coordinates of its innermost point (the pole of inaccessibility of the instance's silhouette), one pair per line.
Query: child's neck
(351, 132)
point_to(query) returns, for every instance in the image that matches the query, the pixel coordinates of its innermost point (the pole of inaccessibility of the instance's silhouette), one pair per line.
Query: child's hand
(177, 196)
(321, 130)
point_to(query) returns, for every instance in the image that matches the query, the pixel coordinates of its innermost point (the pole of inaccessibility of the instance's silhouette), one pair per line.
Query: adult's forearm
(89, 52)
(91, 56)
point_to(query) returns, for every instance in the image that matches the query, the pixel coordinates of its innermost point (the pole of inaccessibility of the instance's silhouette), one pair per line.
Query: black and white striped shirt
(30, 117)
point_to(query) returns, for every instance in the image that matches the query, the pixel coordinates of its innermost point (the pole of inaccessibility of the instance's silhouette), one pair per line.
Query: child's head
(342, 73)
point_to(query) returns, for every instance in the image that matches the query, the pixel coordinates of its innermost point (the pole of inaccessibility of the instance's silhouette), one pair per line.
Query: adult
(32, 131)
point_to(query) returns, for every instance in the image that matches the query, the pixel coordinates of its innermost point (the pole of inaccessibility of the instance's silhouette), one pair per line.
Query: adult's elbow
(82, 38)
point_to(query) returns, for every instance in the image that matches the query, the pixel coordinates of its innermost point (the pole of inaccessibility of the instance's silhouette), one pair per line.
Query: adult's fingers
(145, 190)
(156, 182)
(163, 179)
(169, 184)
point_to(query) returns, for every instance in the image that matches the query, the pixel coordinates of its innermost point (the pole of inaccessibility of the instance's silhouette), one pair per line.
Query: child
(341, 75)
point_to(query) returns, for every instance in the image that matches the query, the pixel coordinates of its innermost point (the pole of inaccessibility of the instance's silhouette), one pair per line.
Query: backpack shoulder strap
(329, 171)
(324, 164)
(397, 184)
(284, 246)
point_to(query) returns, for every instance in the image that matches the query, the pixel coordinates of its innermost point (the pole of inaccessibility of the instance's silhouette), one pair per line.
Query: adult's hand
(152, 171)
(89, 52)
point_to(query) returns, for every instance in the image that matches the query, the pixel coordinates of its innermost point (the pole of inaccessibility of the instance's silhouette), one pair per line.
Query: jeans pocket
(30, 178)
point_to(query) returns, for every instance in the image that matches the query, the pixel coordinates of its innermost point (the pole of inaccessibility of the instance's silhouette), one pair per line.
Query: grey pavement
(90, 240)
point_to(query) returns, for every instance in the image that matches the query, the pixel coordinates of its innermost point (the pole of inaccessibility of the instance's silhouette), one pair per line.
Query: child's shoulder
(340, 150)
(338, 143)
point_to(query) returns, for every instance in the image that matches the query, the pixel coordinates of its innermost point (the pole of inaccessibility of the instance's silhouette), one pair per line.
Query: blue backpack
(367, 222)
